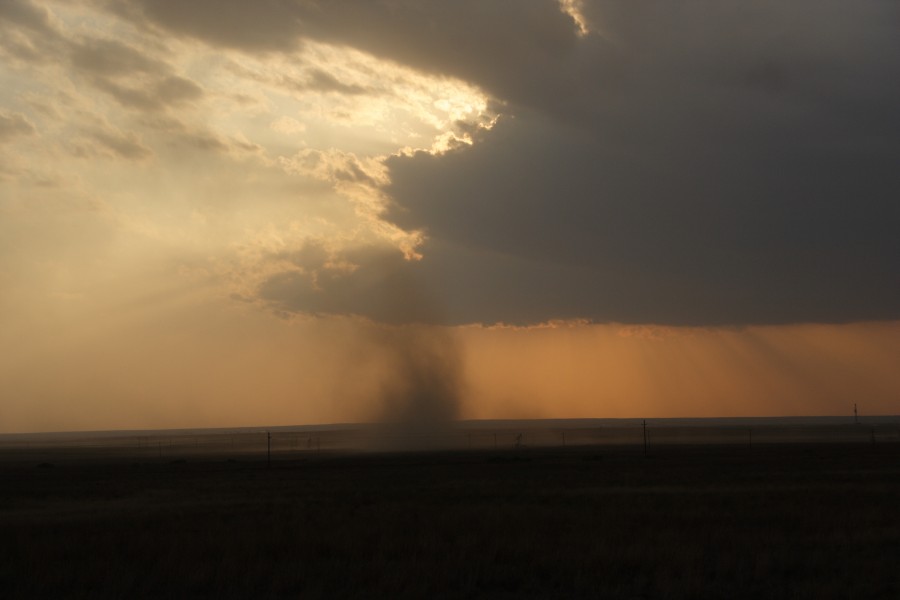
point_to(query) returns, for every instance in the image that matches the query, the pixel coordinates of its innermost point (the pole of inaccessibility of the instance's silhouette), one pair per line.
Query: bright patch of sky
(202, 159)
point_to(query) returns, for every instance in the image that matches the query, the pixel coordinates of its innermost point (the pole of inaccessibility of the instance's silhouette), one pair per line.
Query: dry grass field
(805, 520)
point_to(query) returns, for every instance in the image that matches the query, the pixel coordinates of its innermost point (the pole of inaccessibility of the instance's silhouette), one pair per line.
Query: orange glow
(581, 370)
(209, 367)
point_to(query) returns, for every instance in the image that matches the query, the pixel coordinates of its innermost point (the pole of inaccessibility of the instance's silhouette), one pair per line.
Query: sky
(227, 213)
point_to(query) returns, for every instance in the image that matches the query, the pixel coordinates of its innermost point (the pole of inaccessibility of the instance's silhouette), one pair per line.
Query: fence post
(645, 436)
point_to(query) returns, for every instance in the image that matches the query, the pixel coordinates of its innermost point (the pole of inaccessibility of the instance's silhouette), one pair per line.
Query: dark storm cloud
(687, 162)
(513, 49)
(501, 44)
(373, 281)
(270, 25)
(718, 165)
(690, 237)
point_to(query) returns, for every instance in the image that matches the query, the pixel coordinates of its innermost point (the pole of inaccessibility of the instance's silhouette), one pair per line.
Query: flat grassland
(686, 521)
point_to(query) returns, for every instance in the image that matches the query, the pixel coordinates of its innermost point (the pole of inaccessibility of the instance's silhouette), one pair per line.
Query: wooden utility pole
(645, 437)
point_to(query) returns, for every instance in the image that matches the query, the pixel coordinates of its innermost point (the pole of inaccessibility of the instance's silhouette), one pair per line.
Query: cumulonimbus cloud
(670, 162)
(709, 171)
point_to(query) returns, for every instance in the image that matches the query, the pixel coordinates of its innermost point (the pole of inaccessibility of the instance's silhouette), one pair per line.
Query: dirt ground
(684, 521)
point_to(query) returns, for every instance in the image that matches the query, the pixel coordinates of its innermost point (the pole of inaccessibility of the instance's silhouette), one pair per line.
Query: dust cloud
(419, 396)
(423, 387)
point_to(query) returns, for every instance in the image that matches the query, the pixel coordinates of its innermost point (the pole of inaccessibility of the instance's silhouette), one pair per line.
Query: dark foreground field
(791, 521)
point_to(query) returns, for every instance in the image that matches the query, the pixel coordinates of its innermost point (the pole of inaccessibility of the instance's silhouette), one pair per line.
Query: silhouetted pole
(645, 437)
(855, 414)
(750, 433)
(495, 440)
(268, 449)
(564, 439)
